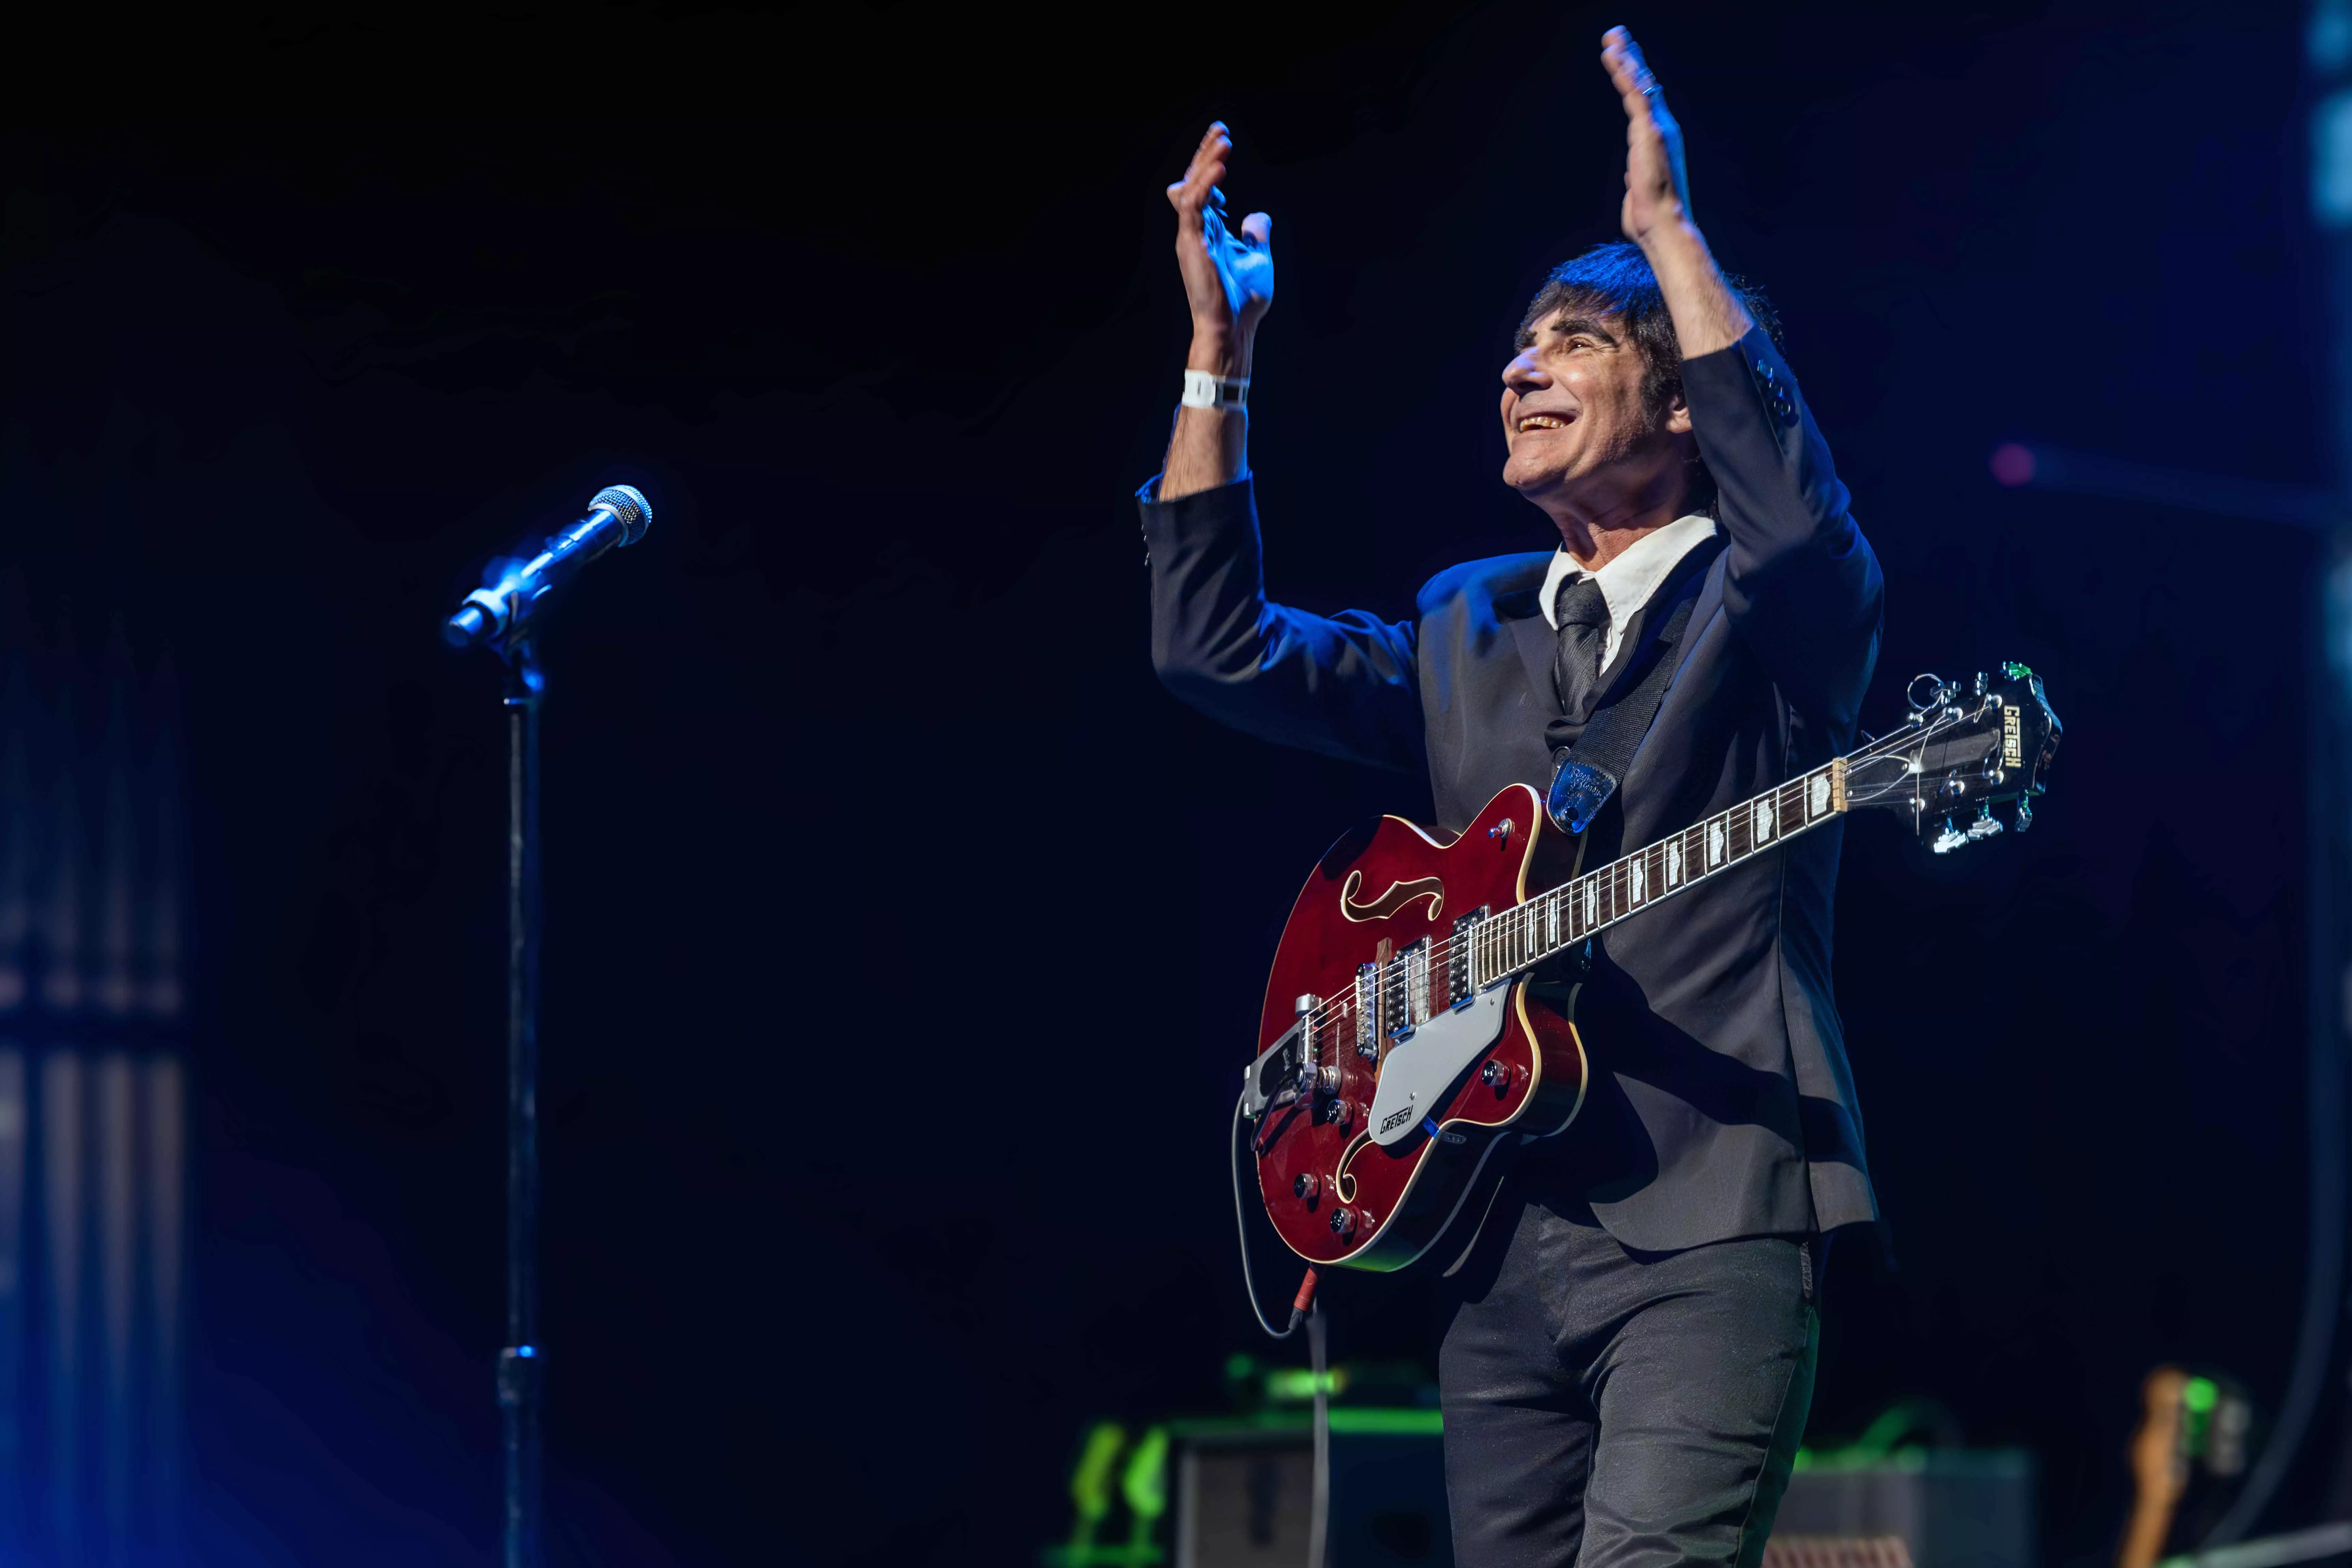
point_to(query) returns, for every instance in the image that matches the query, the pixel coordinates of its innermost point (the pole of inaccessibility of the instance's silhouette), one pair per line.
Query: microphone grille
(629, 505)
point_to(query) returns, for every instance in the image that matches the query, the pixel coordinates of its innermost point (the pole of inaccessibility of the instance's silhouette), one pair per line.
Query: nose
(1523, 375)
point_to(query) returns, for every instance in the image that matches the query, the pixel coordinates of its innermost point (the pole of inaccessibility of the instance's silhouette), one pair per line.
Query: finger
(1616, 59)
(1215, 143)
(1189, 198)
(1628, 71)
(1259, 229)
(1212, 141)
(1207, 167)
(1202, 177)
(1627, 54)
(1198, 188)
(1622, 78)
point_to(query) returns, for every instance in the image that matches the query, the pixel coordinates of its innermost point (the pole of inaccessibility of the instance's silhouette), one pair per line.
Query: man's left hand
(1657, 188)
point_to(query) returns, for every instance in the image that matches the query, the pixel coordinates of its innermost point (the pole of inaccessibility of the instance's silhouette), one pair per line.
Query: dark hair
(1615, 279)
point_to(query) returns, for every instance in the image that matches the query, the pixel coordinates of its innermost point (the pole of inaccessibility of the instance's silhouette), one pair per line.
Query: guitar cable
(1301, 1304)
(1303, 1308)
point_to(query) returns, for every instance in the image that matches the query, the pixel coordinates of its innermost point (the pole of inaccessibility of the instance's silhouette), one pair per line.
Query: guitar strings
(1339, 1009)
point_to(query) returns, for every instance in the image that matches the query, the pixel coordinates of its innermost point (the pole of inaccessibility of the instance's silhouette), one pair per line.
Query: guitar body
(1398, 1183)
(1417, 1020)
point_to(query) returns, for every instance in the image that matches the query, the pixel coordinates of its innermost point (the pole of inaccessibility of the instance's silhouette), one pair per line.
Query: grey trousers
(1608, 1409)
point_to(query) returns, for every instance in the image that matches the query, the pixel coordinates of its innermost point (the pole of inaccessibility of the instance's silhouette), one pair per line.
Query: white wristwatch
(1202, 390)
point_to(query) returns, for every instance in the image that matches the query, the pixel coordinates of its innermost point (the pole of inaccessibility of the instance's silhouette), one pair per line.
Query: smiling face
(1583, 439)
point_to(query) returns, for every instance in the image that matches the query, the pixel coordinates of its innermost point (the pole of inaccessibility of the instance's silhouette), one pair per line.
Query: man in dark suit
(1628, 1356)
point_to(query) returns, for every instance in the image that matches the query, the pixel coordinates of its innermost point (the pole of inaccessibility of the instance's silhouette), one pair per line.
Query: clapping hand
(1228, 276)
(1657, 188)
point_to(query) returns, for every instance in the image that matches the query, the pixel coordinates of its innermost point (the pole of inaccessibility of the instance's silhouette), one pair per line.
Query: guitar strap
(1586, 772)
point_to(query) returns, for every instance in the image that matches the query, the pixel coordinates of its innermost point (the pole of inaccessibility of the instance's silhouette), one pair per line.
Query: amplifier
(1245, 1491)
(1953, 1508)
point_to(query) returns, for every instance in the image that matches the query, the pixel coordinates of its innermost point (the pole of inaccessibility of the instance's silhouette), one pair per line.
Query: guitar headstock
(1964, 751)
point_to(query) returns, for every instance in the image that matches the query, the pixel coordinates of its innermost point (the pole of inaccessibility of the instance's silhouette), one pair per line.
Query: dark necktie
(1583, 617)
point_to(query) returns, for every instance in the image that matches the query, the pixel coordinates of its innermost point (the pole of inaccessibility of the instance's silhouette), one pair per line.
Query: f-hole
(1398, 896)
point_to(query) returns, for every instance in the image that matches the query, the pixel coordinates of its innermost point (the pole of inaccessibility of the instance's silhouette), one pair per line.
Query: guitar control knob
(1341, 1113)
(1302, 1005)
(1327, 1081)
(1343, 1222)
(1495, 1075)
(1306, 1186)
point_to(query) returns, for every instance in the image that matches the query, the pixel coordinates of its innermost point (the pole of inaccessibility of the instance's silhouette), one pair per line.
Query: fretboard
(1503, 944)
(1403, 989)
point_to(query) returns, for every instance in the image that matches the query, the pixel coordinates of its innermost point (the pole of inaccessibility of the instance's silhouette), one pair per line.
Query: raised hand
(1707, 315)
(1228, 277)
(1657, 188)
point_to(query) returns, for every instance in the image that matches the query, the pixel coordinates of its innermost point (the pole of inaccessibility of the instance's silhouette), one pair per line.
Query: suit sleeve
(1800, 582)
(1342, 685)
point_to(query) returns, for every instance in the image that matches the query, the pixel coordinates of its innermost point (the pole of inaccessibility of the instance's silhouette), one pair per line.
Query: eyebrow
(1570, 326)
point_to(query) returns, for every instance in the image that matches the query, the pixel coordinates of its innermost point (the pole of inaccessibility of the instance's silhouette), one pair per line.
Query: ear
(1678, 418)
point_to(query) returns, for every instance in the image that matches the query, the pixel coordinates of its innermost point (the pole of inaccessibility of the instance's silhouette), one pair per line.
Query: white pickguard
(1416, 1073)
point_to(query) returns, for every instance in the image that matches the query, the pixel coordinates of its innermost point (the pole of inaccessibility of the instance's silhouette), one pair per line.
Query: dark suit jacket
(1722, 1104)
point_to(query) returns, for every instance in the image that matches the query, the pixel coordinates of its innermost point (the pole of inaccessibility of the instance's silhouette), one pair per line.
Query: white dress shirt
(1628, 581)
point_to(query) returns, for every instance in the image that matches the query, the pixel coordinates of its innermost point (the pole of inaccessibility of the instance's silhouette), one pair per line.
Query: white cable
(1241, 1234)
(1317, 1357)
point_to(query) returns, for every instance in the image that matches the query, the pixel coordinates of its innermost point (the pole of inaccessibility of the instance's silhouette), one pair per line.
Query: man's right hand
(1228, 277)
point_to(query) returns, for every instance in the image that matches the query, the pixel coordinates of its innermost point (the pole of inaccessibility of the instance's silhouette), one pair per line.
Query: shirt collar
(1629, 579)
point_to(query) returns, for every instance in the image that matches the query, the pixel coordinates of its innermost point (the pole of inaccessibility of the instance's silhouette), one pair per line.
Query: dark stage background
(872, 841)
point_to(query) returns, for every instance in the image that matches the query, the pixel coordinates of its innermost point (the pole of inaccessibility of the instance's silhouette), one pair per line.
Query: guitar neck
(1501, 945)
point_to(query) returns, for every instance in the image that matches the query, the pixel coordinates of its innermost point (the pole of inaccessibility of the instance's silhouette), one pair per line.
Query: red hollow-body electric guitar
(1410, 1032)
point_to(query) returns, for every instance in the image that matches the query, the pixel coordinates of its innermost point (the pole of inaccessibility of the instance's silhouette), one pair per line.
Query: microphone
(618, 515)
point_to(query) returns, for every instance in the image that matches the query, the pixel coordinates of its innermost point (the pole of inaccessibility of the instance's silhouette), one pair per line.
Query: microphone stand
(499, 613)
(521, 1379)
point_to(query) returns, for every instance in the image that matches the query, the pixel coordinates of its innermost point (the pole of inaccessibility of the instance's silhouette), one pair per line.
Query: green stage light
(1146, 1481)
(1293, 1385)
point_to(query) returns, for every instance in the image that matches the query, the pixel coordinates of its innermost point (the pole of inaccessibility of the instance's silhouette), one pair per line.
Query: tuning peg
(1949, 839)
(2024, 814)
(1987, 824)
